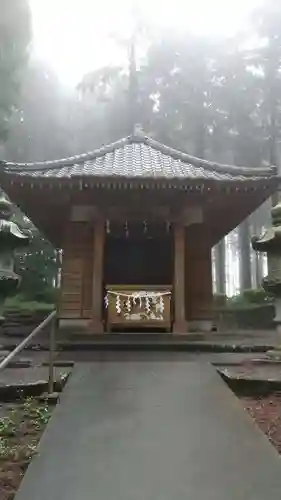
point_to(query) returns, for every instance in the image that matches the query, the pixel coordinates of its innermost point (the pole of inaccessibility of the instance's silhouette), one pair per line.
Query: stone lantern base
(277, 319)
(9, 282)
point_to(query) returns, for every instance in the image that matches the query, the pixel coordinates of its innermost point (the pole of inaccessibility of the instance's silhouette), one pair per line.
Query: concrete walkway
(151, 431)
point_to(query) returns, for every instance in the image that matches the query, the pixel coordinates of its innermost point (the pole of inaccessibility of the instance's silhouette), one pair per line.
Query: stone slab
(27, 376)
(252, 371)
(151, 431)
(20, 363)
(86, 356)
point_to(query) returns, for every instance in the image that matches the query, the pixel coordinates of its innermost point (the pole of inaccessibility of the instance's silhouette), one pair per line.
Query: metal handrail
(52, 317)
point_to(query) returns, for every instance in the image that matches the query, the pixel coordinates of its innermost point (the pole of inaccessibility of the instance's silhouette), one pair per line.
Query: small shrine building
(136, 222)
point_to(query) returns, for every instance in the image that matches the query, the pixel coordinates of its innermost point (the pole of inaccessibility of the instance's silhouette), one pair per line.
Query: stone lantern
(270, 243)
(11, 238)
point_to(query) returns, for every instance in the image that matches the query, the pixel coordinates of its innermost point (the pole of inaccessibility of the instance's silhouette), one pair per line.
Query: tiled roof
(136, 157)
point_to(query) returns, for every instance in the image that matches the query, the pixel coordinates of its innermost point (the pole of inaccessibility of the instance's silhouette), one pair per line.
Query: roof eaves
(35, 178)
(10, 167)
(64, 162)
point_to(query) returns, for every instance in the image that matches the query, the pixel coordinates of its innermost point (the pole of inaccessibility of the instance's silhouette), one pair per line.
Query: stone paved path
(151, 431)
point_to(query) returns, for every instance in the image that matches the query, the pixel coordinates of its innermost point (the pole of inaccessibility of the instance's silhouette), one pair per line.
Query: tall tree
(107, 90)
(245, 256)
(40, 126)
(267, 58)
(220, 267)
(177, 77)
(238, 125)
(15, 33)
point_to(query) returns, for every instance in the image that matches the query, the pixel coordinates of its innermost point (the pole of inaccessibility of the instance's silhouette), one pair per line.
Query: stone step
(20, 330)
(274, 354)
(16, 362)
(30, 381)
(183, 343)
(20, 363)
(3, 354)
(60, 363)
(266, 361)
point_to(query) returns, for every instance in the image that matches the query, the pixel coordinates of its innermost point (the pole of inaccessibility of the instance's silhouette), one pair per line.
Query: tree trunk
(220, 267)
(273, 155)
(133, 85)
(257, 220)
(245, 256)
(258, 269)
(272, 85)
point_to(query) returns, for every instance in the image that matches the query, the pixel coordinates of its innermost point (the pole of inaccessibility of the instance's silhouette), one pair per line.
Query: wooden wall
(198, 275)
(77, 271)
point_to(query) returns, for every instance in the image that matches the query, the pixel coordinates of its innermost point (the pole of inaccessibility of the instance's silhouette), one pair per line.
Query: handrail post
(52, 349)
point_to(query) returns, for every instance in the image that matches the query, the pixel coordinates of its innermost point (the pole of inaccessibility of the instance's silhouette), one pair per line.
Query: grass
(20, 431)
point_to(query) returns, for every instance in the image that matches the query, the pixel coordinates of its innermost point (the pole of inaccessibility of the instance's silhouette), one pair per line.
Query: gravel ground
(266, 411)
(21, 426)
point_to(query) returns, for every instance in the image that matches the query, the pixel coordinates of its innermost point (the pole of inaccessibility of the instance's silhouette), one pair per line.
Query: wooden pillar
(205, 314)
(98, 256)
(200, 289)
(180, 324)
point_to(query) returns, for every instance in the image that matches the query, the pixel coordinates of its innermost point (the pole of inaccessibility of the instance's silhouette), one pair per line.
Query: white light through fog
(73, 36)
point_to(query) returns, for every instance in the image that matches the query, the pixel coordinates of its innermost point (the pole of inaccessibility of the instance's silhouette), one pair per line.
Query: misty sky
(75, 36)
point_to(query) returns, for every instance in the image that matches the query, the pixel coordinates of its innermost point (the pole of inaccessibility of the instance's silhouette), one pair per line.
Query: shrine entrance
(136, 220)
(138, 276)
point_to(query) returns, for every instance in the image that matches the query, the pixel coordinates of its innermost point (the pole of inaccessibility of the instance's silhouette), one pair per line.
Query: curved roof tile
(137, 156)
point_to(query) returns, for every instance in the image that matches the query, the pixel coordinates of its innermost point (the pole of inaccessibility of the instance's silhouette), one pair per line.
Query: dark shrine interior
(139, 254)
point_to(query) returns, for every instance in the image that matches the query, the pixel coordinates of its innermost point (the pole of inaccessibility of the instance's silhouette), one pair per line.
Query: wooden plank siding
(77, 271)
(198, 277)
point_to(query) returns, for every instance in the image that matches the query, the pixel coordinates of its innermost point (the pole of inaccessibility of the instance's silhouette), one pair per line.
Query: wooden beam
(98, 257)
(180, 324)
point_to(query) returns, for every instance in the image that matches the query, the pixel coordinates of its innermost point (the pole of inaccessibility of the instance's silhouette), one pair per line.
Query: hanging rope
(139, 295)
(149, 299)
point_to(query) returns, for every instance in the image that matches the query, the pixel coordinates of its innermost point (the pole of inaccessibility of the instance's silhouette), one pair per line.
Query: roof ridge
(208, 164)
(139, 137)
